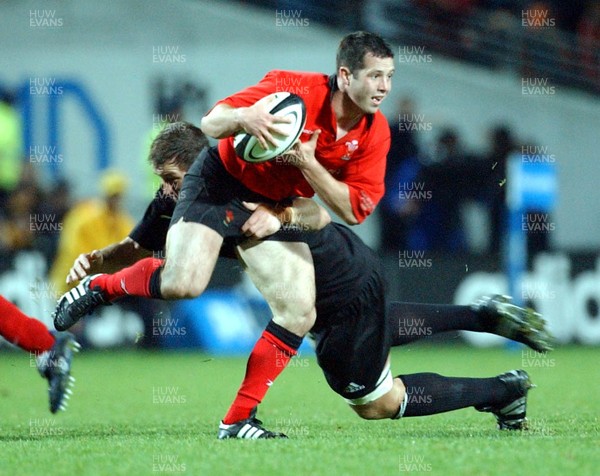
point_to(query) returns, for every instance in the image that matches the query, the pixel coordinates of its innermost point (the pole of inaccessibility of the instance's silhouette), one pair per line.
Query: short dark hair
(355, 46)
(180, 142)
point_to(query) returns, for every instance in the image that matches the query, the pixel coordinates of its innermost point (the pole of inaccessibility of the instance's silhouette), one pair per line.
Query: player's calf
(504, 395)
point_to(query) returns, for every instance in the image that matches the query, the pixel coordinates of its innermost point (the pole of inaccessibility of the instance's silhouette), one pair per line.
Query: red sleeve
(247, 97)
(365, 176)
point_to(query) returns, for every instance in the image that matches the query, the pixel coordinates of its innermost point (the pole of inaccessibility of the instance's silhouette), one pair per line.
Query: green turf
(137, 413)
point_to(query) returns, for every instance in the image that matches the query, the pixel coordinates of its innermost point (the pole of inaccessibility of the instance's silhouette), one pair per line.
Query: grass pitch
(135, 413)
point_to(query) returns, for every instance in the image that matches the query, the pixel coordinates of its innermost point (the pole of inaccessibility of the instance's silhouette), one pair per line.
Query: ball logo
(289, 105)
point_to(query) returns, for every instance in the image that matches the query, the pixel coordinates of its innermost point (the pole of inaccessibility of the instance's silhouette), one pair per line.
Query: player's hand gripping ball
(285, 104)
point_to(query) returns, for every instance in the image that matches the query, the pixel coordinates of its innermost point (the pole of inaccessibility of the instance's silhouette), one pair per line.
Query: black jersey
(151, 231)
(343, 263)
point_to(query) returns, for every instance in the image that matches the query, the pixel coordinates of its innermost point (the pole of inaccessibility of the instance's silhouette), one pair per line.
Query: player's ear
(344, 74)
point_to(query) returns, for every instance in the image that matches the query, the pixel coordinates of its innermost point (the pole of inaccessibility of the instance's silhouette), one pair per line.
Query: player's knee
(180, 285)
(371, 411)
(180, 291)
(386, 406)
(298, 321)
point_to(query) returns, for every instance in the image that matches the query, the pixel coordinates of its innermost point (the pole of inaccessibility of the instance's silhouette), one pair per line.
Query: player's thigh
(192, 250)
(285, 275)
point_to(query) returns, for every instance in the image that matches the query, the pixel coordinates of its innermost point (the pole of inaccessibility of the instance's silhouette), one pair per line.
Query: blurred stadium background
(479, 85)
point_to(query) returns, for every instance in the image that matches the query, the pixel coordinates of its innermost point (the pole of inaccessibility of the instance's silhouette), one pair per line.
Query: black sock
(154, 284)
(430, 393)
(410, 321)
(287, 337)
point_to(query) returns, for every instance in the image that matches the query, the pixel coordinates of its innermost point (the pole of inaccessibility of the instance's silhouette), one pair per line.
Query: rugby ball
(285, 104)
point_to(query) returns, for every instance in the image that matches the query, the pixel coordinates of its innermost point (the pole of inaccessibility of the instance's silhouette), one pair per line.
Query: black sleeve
(151, 231)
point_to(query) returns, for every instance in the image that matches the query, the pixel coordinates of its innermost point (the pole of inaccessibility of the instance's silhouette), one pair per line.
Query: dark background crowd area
(31, 217)
(552, 39)
(428, 186)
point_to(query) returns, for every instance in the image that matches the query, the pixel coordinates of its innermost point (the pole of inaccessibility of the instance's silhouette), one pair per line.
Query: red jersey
(357, 159)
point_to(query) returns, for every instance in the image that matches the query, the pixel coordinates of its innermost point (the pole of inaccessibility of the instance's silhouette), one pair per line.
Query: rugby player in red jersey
(342, 159)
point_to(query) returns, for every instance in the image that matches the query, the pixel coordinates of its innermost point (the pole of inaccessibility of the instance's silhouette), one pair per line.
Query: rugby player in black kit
(355, 326)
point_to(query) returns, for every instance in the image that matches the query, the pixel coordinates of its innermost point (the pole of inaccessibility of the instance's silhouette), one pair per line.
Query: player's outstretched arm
(109, 259)
(224, 121)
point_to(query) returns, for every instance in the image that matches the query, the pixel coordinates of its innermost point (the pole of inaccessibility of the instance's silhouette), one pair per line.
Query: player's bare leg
(284, 274)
